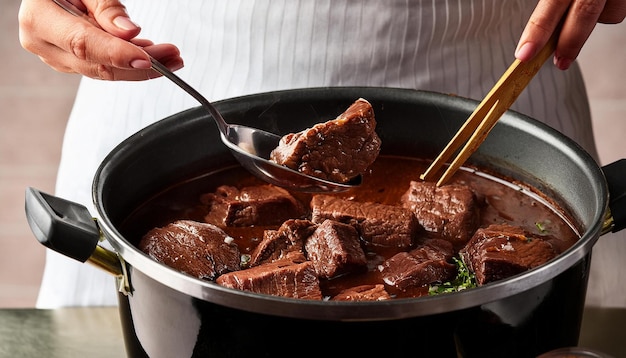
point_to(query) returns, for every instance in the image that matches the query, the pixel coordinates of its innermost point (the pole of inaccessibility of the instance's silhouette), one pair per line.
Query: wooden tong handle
(481, 121)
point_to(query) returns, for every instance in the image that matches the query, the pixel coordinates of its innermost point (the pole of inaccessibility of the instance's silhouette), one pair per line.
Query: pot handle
(615, 174)
(68, 228)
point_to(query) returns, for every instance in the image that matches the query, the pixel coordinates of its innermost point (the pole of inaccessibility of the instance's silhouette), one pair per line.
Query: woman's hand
(102, 47)
(581, 18)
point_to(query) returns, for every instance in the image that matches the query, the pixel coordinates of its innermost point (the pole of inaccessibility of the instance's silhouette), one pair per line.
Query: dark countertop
(96, 332)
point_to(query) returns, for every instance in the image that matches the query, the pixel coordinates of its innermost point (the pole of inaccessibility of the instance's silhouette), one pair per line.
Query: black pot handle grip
(61, 225)
(615, 174)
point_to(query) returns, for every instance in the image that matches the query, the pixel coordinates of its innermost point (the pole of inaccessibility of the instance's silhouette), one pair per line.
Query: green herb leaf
(464, 279)
(541, 227)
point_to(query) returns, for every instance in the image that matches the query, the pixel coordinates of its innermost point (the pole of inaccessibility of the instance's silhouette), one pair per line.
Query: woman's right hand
(104, 47)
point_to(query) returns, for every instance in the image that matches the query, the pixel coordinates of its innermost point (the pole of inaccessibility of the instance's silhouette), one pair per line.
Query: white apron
(233, 48)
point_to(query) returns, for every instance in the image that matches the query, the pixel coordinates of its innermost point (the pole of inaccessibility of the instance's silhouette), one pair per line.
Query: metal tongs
(475, 130)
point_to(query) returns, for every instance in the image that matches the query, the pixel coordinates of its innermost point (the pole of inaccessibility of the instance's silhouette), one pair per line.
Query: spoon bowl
(251, 145)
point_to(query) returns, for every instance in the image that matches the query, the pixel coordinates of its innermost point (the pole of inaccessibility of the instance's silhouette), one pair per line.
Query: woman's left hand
(580, 20)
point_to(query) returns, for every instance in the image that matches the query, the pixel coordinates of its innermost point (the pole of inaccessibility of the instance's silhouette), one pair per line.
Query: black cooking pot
(168, 314)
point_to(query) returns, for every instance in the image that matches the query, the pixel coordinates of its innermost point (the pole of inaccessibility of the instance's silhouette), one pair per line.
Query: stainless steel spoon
(250, 146)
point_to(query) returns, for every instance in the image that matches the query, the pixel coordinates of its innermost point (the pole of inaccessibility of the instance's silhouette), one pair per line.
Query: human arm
(582, 16)
(103, 48)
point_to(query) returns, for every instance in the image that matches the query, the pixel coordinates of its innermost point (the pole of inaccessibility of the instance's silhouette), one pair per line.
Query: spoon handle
(160, 68)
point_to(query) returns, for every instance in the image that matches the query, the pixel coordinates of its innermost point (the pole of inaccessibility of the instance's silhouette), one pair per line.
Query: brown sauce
(385, 182)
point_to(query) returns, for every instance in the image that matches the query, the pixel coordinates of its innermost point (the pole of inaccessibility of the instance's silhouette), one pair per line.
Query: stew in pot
(393, 237)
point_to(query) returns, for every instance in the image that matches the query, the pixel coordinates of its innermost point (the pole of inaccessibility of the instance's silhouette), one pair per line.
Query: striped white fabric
(237, 47)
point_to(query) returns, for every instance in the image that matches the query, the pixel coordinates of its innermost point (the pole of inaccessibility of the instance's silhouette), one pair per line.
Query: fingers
(578, 25)
(66, 62)
(614, 12)
(544, 20)
(98, 48)
(576, 18)
(542, 23)
(112, 17)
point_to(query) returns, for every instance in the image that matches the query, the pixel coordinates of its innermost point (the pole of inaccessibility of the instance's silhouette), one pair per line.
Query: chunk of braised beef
(429, 263)
(288, 238)
(379, 224)
(501, 251)
(336, 150)
(334, 249)
(252, 205)
(198, 249)
(363, 293)
(451, 211)
(292, 277)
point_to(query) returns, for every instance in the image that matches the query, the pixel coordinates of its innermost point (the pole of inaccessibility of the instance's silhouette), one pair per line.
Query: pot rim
(359, 311)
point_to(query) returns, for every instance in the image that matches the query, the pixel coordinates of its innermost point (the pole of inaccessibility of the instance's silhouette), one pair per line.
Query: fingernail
(176, 66)
(562, 63)
(125, 23)
(140, 64)
(525, 52)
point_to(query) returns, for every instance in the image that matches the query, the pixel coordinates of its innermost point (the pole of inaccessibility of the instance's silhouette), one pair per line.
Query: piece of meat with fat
(378, 224)
(500, 251)
(292, 277)
(251, 205)
(334, 249)
(450, 211)
(198, 249)
(337, 150)
(275, 244)
(427, 264)
(363, 293)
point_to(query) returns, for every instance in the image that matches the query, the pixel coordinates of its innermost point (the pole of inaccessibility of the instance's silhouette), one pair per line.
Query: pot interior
(409, 123)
